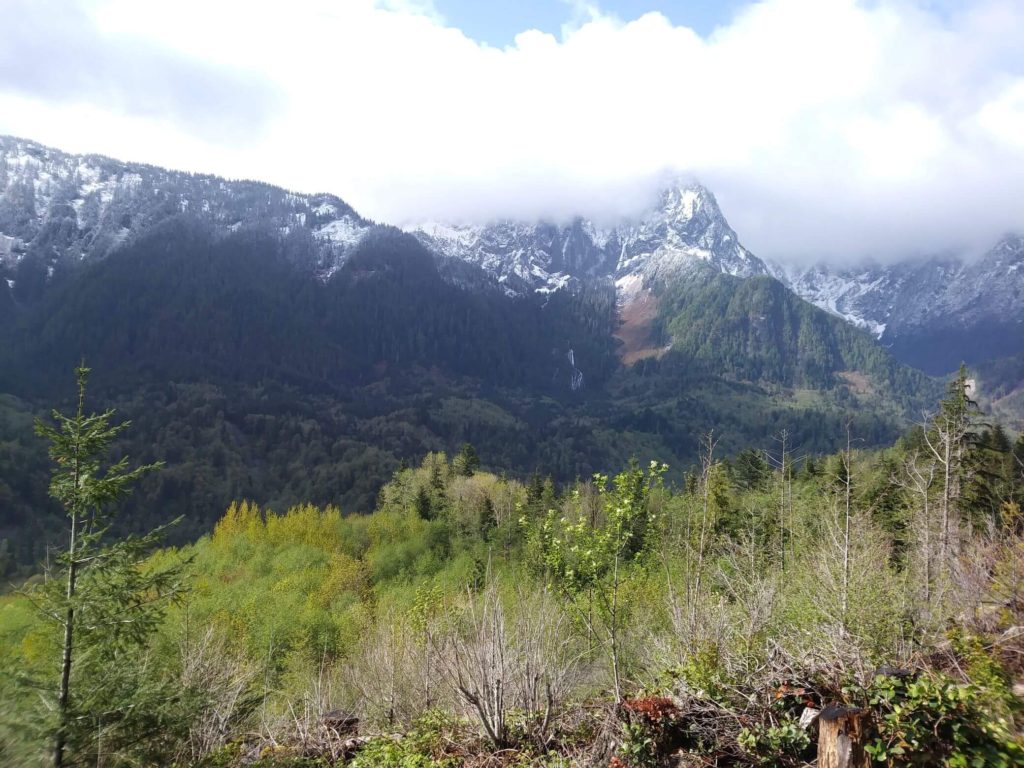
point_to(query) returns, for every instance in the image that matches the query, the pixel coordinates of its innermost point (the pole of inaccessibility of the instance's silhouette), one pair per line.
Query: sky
(832, 130)
(497, 22)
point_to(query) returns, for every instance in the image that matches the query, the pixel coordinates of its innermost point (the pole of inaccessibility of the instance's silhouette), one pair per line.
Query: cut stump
(842, 734)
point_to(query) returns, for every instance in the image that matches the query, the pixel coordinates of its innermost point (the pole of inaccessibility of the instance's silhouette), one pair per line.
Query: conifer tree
(104, 603)
(466, 462)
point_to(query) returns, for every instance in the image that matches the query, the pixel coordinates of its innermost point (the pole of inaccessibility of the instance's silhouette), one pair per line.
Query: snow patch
(627, 288)
(344, 231)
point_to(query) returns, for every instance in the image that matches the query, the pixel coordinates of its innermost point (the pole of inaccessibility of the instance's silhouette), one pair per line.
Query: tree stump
(842, 734)
(342, 723)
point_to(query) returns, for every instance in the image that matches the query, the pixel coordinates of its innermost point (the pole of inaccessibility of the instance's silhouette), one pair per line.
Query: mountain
(280, 347)
(932, 313)
(685, 229)
(59, 210)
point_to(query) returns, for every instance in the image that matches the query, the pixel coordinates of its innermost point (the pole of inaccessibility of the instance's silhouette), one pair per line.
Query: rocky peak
(684, 230)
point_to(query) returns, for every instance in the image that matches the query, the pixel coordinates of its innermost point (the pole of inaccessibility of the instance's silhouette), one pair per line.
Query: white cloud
(827, 128)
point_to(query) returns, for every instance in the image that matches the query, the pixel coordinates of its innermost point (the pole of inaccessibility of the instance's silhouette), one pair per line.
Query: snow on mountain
(861, 296)
(900, 298)
(684, 230)
(60, 208)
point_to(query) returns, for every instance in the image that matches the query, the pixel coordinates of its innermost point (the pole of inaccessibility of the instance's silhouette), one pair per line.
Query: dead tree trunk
(842, 734)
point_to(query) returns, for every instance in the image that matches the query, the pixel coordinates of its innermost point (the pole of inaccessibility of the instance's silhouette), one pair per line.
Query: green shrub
(775, 745)
(935, 720)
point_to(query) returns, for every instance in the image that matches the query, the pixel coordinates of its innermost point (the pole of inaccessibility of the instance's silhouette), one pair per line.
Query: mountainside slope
(58, 210)
(934, 313)
(185, 303)
(757, 330)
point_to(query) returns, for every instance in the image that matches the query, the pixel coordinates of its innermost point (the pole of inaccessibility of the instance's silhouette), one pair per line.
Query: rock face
(933, 313)
(684, 230)
(58, 209)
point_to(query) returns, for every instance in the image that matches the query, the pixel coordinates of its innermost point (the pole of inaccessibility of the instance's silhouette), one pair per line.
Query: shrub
(935, 720)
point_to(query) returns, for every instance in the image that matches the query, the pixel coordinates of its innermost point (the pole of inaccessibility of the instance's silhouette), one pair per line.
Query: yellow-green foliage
(308, 582)
(702, 591)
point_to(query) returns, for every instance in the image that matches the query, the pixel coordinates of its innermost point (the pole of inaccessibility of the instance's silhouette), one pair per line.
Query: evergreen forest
(249, 377)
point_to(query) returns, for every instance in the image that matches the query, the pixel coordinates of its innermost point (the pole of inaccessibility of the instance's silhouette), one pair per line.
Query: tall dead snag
(948, 439)
(707, 467)
(842, 734)
(918, 477)
(847, 485)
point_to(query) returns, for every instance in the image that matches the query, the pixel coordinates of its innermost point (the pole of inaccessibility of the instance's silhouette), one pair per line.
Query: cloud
(828, 129)
(54, 52)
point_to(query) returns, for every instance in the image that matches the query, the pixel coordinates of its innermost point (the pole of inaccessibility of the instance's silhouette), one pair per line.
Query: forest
(719, 613)
(250, 378)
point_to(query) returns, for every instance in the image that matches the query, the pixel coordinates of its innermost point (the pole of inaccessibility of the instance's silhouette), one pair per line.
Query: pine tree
(751, 470)
(423, 505)
(466, 462)
(104, 603)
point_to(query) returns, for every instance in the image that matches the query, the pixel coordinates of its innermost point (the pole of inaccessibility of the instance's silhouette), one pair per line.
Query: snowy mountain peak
(920, 306)
(685, 230)
(684, 201)
(59, 209)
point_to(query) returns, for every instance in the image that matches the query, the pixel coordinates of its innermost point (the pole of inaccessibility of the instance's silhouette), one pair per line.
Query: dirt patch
(859, 383)
(636, 328)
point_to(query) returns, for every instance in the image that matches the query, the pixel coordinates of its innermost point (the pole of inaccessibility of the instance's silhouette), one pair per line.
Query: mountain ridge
(933, 312)
(686, 227)
(259, 344)
(58, 208)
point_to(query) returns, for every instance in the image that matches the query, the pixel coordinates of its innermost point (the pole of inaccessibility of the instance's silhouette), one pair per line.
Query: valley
(265, 313)
(373, 475)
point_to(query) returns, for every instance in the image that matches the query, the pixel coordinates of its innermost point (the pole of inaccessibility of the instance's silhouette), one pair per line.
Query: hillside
(279, 347)
(624, 618)
(932, 313)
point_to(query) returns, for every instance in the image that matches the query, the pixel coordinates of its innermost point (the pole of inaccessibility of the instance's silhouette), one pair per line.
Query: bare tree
(475, 662)
(495, 665)
(707, 467)
(946, 437)
(224, 682)
(546, 659)
(784, 469)
(847, 501)
(918, 477)
(382, 671)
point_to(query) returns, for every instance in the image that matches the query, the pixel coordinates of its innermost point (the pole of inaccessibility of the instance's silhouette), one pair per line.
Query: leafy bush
(423, 747)
(935, 720)
(775, 745)
(649, 730)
